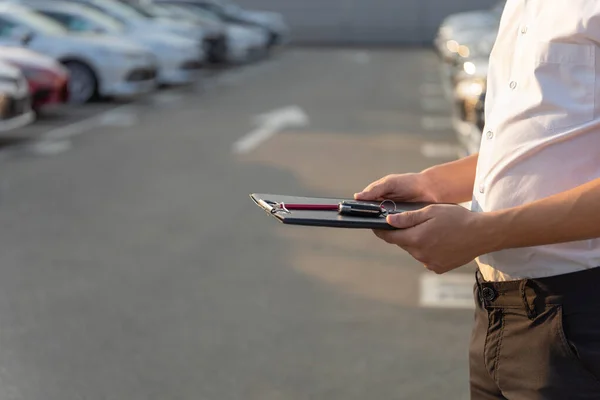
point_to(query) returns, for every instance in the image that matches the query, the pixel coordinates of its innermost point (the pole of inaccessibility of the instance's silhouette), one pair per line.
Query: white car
(454, 27)
(243, 41)
(215, 41)
(274, 22)
(97, 65)
(15, 100)
(137, 18)
(178, 59)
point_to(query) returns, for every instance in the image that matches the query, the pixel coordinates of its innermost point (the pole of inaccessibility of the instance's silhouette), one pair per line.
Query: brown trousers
(537, 339)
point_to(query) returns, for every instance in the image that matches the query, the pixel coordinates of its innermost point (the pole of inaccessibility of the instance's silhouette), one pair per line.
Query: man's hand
(412, 187)
(442, 237)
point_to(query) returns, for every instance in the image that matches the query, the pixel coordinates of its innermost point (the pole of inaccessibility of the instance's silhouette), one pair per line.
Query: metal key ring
(385, 210)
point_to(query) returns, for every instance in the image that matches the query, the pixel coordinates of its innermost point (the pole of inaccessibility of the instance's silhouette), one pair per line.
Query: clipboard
(330, 219)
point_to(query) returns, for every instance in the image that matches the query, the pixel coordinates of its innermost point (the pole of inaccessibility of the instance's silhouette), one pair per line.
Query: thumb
(407, 219)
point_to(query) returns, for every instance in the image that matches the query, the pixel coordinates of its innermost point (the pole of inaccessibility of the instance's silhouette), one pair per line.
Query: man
(535, 218)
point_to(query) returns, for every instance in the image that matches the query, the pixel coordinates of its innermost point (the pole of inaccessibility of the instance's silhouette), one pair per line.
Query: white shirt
(542, 133)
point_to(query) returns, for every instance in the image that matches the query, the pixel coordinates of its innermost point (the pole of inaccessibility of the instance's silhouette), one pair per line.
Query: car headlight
(452, 46)
(469, 68)
(470, 88)
(10, 85)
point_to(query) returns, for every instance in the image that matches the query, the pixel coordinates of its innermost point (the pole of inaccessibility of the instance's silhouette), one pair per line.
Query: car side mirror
(27, 38)
(23, 36)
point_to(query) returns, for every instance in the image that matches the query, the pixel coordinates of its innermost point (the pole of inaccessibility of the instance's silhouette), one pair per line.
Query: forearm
(569, 216)
(453, 182)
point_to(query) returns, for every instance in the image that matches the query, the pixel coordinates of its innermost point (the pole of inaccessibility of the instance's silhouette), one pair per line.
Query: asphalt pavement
(135, 265)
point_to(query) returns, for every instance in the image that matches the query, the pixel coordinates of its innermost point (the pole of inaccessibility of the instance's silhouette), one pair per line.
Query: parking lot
(135, 266)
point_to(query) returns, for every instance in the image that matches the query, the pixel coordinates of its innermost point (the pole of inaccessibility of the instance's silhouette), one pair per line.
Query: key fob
(359, 209)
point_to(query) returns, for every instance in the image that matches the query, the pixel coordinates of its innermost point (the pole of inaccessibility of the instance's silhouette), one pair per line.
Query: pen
(312, 207)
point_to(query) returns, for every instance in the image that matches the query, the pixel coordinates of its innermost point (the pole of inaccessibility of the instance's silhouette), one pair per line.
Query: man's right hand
(451, 182)
(411, 187)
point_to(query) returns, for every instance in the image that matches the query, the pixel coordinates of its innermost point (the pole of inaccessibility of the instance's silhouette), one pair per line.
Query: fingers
(375, 191)
(404, 238)
(408, 240)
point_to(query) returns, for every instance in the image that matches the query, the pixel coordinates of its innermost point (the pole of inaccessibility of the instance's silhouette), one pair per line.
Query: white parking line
(122, 118)
(440, 150)
(454, 290)
(77, 128)
(361, 58)
(436, 123)
(50, 147)
(434, 104)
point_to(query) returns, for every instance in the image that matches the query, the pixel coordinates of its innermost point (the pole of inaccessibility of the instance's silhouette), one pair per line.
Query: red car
(47, 79)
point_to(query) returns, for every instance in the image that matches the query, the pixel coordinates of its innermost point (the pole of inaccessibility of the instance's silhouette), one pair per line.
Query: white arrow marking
(122, 118)
(361, 58)
(269, 125)
(51, 147)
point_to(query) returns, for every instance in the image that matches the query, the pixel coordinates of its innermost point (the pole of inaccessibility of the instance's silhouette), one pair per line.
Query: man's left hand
(442, 237)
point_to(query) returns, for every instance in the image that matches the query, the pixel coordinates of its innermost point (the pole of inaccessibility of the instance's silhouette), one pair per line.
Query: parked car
(271, 23)
(476, 50)
(135, 17)
(15, 100)
(177, 58)
(469, 104)
(458, 31)
(244, 42)
(215, 37)
(97, 64)
(47, 79)
(466, 21)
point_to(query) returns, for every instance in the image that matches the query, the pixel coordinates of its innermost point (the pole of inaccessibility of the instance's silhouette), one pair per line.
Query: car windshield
(197, 10)
(118, 9)
(158, 11)
(39, 22)
(138, 8)
(103, 20)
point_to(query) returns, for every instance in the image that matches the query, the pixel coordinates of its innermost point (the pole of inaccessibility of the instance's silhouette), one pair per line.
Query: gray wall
(365, 21)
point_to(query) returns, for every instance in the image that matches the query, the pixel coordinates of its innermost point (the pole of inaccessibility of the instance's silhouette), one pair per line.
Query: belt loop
(530, 308)
(479, 289)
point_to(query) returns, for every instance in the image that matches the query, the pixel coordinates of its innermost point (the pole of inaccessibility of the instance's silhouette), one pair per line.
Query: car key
(359, 209)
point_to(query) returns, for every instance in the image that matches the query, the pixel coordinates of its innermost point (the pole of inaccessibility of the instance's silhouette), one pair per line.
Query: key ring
(385, 212)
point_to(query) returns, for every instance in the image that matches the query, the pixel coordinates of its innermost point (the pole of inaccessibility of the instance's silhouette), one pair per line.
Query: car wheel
(83, 84)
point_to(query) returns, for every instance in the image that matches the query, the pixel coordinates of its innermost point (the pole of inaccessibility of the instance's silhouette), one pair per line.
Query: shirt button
(513, 85)
(489, 134)
(482, 188)
(523, 30)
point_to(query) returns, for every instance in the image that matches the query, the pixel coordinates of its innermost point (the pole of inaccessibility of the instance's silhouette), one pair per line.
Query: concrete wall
(367, 22)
